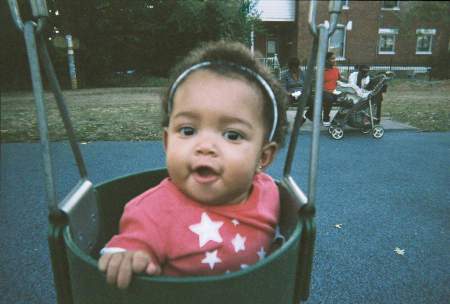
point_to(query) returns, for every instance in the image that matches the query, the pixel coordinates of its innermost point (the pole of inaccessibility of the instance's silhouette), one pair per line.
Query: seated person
(293, 80)
(363, 85)
(331, 78)
(359, 80)
(357, 85)
(217, 211)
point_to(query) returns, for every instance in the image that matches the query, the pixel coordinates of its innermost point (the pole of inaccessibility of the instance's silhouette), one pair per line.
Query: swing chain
(38, 10)
(334, 9)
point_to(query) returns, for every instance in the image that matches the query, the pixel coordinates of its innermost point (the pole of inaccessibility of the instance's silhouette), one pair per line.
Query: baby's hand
(120, 266)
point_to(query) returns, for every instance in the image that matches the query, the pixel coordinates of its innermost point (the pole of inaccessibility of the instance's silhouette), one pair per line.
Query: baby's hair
(234, 54)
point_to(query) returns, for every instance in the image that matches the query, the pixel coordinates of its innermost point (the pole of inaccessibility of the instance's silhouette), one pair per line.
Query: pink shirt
(188, 238)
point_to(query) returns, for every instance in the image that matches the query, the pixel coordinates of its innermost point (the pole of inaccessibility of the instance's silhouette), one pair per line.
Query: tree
(151, 35)
(14, 70)
(116, 35)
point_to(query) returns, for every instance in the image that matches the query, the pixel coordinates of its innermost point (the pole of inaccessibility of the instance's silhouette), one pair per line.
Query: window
(424, 42)
(386, 42)
(271, 47)
(337, 42)
(346, 5)
(390, 5)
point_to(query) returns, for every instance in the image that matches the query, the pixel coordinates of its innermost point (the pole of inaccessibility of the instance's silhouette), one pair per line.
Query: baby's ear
(268, 154)
(165, 138)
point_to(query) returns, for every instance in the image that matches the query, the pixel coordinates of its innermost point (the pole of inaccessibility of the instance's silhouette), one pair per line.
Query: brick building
(369, 32)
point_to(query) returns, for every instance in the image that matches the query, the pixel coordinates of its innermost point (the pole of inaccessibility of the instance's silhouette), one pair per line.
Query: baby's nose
(206, 146)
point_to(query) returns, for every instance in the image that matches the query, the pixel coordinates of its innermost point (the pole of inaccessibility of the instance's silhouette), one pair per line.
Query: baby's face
(214, 141)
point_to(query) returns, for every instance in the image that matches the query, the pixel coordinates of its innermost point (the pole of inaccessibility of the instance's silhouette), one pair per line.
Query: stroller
(361, 111)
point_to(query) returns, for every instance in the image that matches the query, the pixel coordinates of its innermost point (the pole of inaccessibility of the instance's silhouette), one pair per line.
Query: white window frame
(346, 5)
(276, 46)
(425, 32)
(395, 8)
(338, 57)
(387, 31)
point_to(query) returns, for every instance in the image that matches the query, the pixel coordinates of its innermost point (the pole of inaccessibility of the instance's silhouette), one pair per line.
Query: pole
(252, 40)
(71, 62)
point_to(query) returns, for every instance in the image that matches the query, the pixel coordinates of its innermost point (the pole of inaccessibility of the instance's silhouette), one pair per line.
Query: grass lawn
(129, 113)
(96, 114)
(420, 103)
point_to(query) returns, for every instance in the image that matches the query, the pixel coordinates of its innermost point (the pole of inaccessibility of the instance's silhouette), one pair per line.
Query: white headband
(250, 72)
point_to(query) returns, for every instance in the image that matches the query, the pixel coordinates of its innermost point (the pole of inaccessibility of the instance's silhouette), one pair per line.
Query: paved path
(386, 122)
(383, 194)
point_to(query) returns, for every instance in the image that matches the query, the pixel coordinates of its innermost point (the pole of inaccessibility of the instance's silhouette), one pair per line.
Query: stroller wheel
(333, 126)
(336, 132)
(378, 132)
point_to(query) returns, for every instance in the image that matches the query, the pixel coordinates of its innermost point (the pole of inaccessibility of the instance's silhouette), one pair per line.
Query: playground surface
(382, 213)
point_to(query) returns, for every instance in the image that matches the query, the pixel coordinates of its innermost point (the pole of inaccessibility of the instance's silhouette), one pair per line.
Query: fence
(273, 64)
(409, 71)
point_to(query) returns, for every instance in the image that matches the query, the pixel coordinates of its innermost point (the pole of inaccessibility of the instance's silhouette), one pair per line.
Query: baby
(217, 211)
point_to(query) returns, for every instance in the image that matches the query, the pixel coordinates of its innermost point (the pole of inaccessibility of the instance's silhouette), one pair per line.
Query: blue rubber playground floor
(383, 209)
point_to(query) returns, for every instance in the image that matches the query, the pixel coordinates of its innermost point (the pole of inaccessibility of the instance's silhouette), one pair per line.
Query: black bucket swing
(88, 216)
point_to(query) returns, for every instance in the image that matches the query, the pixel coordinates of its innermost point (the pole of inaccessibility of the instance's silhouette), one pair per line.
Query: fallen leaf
(399, 251)
(338, 226)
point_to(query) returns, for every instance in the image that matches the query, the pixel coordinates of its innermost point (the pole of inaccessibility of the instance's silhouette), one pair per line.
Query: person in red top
(330, 78)
(217, 211)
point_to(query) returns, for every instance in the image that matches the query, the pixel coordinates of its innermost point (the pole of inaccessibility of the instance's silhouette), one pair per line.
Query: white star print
(261, 253)
(211, 259)
(238, 243)
(207, 230)
(235, 222)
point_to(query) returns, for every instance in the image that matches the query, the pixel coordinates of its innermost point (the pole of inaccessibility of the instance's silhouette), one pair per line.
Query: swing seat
(273, 280)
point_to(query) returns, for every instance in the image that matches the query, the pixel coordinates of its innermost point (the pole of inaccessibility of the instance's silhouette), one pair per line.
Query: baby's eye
(232, 135)
(187, 131)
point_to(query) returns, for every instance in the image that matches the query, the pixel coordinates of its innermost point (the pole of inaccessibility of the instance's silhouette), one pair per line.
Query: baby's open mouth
(205, 174)
(205, 171)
